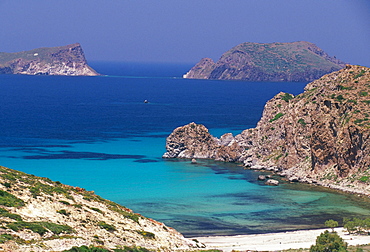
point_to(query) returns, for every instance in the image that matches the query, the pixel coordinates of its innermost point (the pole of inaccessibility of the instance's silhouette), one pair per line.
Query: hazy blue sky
(184, 31)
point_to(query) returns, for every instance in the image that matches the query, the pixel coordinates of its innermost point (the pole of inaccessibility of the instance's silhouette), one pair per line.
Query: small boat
(146, 101)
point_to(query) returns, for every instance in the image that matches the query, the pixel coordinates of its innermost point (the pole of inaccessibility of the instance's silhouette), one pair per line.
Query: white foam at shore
(276, 241)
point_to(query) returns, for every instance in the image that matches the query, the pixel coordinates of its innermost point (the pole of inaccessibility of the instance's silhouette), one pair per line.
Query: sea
(97, 133)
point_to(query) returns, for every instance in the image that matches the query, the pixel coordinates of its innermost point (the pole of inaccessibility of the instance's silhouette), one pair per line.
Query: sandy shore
(275, 241)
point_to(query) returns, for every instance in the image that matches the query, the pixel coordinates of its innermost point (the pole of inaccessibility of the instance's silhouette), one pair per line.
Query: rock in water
(261, 177)
(194, 141)
(272, 182)
(297, 61)
(63, 60)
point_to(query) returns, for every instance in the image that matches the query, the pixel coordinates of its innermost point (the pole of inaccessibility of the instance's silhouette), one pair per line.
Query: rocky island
(63, 60)
(297, 61)
(38, 214)
(321, 136)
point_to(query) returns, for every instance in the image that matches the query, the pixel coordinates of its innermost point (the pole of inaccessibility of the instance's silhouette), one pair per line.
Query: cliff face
(297, 61)
(64, 60)
(38, 214)
(320, 136)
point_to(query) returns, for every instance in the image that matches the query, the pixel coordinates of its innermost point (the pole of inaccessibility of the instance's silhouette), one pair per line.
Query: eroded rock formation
(63, 60)
(320, 136)
(194, 141)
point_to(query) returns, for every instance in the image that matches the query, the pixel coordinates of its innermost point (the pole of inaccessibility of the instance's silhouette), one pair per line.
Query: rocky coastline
(64, 60)
(320, 137)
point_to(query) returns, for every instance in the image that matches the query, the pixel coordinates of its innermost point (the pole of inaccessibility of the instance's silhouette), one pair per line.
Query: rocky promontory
(321, 136)
(63, 60)
(297, 61)
(38, 214)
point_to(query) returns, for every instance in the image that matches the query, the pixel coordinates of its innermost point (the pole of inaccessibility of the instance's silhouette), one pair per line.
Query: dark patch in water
(145, 160)
(83, 155)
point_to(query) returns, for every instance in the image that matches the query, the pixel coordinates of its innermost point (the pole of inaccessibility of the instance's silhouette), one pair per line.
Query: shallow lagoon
(96, 133)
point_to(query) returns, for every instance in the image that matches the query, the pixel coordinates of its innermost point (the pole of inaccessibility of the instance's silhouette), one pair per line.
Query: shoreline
(276, 241)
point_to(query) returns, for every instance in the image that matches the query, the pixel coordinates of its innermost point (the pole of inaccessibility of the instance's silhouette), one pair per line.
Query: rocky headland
(38, 214)
(321, 136)
(297, 61)
(63, 60)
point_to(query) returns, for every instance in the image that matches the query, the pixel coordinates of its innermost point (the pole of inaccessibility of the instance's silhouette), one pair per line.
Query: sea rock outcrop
(194, 141)
(63, 60)
(297, 61)
(320, 136)
(38, 214)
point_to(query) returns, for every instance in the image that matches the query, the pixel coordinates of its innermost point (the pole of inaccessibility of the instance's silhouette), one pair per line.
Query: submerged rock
(272, 182)
(261, 177)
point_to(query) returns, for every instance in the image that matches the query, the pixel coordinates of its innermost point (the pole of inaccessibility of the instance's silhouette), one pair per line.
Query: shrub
(5, 213)
(64, 212)
(363, 93)
(146, 234)
(106, 226)
(286, 97)
(5, 237)
(301, 121)
(64, 202)
(331, 224)
(9, 200)
(132, 249)
(329, 242)
(340, 98)
(364, 178)
(359, 74)
(277, 116)
(96, 209)
(86, 249)
(33, 226)
(39, 227)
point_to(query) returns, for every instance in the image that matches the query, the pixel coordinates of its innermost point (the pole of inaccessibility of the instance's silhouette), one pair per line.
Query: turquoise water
(97, 133)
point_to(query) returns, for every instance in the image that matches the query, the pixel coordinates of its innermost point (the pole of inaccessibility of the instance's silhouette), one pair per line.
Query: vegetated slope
(38, 214)
(63, 60)
(297, 61)
(320, 136)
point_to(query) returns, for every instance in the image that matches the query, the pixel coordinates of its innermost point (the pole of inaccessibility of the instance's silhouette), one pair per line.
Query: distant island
(63, 60)
(298, 62)
(321, 136)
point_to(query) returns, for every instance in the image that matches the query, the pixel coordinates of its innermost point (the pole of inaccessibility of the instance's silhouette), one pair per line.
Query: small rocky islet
(63, 60)
(321, 136)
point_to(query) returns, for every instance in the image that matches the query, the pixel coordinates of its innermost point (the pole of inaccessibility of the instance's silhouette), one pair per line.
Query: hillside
(297, 61)
(321, 136)
(63, 60)
(38, 214)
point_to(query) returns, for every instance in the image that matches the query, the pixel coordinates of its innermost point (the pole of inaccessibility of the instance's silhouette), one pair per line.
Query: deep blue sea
(97, 133)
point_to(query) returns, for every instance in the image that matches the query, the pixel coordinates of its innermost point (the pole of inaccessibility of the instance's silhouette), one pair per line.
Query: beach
(276, 241)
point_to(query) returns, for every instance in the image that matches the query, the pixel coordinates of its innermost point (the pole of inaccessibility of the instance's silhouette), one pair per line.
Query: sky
(184, 31)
